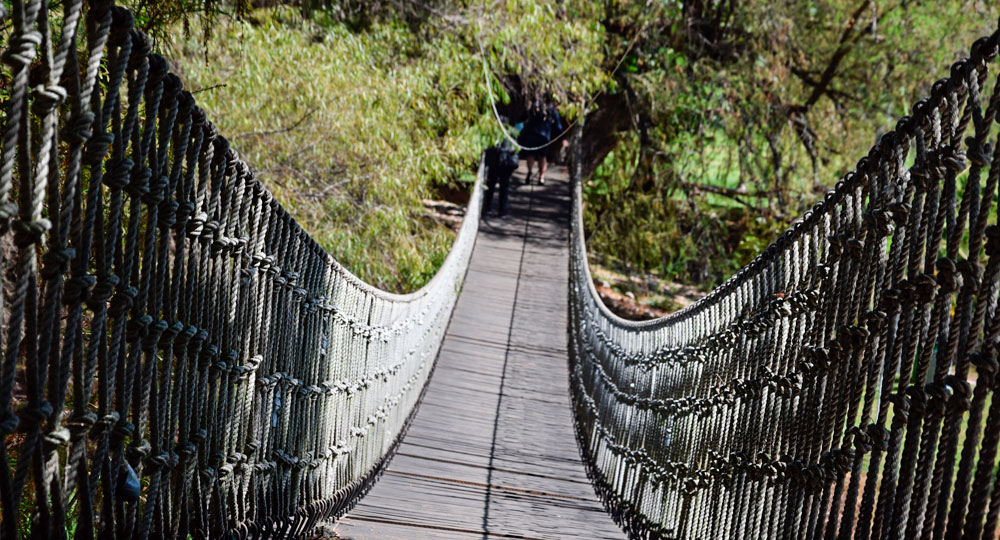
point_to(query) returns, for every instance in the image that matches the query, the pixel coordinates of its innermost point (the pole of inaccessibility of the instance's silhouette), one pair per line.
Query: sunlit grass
(350, 130)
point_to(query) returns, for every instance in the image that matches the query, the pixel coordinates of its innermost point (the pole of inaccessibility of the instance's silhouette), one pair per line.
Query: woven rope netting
(841, 385)
(179, 358)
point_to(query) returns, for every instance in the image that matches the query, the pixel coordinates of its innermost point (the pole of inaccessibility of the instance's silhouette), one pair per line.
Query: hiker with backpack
(542, 126)
(501, 162)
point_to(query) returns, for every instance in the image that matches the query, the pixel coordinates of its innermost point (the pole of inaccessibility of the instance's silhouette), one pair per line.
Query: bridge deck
(491, 452)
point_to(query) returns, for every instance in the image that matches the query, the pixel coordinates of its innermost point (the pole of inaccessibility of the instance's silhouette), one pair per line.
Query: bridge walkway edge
(492, 453)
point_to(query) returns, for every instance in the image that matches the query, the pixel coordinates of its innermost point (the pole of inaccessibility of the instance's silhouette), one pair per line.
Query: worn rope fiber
(840, 386)
(179, 358)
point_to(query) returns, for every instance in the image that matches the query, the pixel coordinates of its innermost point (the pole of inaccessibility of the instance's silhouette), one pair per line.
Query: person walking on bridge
(543, 124)
(501, 162)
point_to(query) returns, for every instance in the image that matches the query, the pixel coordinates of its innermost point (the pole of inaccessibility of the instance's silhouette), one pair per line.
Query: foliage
(353, 122)
(351, 130)
(160, 17)
(754, 108)
(692, 240)
(737, 115)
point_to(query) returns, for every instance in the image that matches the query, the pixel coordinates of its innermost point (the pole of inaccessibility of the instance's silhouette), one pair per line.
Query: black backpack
(503, 155)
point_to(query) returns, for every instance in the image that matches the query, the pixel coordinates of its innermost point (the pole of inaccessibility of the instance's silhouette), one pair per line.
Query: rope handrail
(842, 384)
(179, 358)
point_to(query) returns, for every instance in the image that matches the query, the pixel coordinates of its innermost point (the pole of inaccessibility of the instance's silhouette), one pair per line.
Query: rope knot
(855, 249)
(172, 86)
(900, 213)
(209, 232)
(978, 153)
(80, 424)
(30, 232)
(183, 212)
(198, 340)
(862, 440)
(962, 392)
(186, 452)
(138, 449)
(891, 298)
(122, 22)
(122, 301)
(124, 428)
(103, 425)
(918, 399)
(920, 175)
(158, 68)
(987, 368)
(852, 337)
(167, 216)
(901, 406)
(948, 278)
(879, 221)
(184, 337)
(37, 414)
(926, 287)
(208, 355)
(952, 159)
(163, 460)
(972, 273)
(875, 320)
(157, 188)
(138, 188)
(21, 49)
(120, 175)
(196, 225)
(878, 436)
(136, 328)
(56, 263)
(169, 336)
(940, 393)
(79, 290)
(78, 128)
(47, 98)
(208, 475)
(837, 246)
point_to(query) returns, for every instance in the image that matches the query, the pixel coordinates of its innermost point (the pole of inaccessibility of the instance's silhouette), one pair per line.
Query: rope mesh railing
(179, 358)
(841, 385)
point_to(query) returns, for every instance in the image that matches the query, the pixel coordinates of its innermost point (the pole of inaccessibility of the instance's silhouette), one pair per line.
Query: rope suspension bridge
(179, 359)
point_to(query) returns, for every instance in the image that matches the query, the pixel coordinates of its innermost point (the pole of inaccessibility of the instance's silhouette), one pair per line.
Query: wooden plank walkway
(491, 452)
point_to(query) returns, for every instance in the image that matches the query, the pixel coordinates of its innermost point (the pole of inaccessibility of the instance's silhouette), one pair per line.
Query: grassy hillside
(353, 124)
(351, 130)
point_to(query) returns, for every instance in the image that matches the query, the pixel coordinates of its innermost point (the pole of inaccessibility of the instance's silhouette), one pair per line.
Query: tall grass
(349, 129)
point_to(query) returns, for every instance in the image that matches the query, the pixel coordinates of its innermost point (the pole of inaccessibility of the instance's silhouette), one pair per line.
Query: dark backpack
(503, 155)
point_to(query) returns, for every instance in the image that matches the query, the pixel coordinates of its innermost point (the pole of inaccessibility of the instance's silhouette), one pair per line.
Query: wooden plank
(492, 453)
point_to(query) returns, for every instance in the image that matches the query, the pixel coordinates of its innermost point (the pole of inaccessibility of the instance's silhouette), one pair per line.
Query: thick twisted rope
(839, 386)
(179, 358)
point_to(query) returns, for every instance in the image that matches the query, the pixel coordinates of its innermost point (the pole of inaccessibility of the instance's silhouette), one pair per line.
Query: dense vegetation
(351, 130)
(743, 113)
(710, 124)
(354, 115)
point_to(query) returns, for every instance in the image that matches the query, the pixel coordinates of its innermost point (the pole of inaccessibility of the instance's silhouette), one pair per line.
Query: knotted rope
(841, 385)
(179, 358)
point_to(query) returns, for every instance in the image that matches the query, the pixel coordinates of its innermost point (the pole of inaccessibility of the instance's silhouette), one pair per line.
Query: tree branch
(847, 40)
